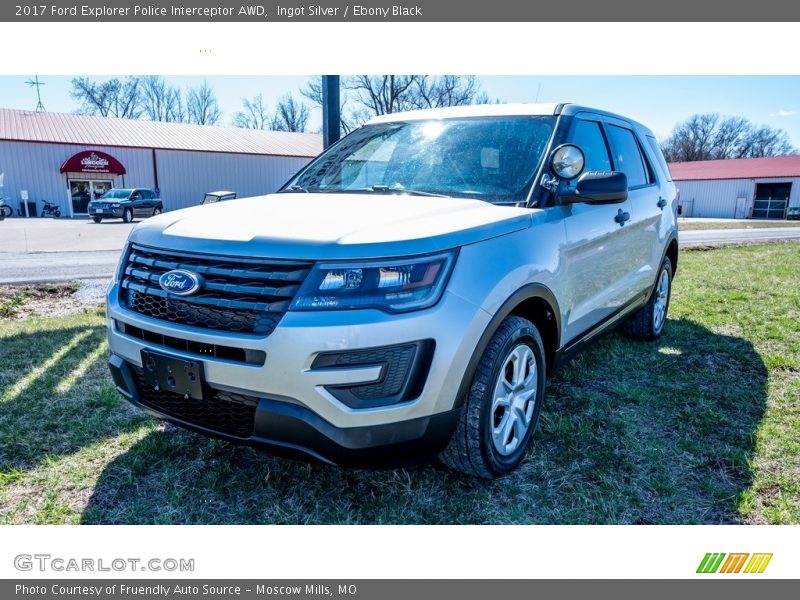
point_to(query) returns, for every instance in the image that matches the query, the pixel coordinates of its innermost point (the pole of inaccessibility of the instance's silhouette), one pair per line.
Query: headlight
(392, 286)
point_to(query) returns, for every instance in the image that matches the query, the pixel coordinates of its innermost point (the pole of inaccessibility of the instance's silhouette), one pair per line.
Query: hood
(330, 226)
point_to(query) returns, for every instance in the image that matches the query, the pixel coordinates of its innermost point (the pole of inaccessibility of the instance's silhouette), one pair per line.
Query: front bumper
(108, 213)
(296, 407)
(293, 431)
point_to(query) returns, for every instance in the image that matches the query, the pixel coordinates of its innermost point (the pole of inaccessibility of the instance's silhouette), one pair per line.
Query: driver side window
(588, 136)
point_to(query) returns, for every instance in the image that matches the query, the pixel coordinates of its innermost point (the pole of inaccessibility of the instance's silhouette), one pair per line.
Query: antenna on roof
(37, 84)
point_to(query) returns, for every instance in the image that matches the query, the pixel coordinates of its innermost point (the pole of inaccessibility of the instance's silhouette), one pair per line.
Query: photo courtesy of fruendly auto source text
(280, 280)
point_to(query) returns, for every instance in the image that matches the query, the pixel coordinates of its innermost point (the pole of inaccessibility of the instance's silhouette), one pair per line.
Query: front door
(80, 191)
(83, 191)
(741, 204)
(598, 251)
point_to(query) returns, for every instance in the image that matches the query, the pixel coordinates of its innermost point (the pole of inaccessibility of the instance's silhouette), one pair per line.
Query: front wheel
(6, 211)
(127, 215)
(503, 404)
(648, 322)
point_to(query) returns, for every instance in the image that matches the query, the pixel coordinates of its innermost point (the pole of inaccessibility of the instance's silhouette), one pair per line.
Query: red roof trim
(740, 168)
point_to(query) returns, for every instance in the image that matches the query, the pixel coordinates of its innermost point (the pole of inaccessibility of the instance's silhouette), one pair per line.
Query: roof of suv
(475, 110)
(498, 110)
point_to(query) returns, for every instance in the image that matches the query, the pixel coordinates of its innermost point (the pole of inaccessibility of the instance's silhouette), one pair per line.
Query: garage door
(771, 200)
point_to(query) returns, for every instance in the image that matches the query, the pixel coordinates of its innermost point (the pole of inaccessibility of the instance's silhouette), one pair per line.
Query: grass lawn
(701, 427)
(692, 225)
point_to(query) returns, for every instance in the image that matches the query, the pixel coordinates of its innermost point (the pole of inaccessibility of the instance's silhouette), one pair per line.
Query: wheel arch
(672, 253)
(534, 302)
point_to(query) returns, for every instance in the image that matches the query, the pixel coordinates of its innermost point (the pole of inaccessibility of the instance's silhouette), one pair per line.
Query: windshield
(116, 194)
(491, 158)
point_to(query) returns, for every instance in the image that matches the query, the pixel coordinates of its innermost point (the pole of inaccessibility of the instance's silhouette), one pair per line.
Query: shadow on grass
(55, 396)
(630, 433)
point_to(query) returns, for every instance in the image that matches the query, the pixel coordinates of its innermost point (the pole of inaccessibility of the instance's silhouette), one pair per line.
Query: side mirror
(598, 187)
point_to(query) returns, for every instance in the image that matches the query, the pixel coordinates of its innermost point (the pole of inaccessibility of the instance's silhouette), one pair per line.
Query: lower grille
(253, 357)
(398, 361)
(223, 412)
(404, 370)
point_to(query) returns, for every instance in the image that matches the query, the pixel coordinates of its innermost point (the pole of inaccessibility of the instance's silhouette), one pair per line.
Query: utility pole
(37, 84)
(331, 111)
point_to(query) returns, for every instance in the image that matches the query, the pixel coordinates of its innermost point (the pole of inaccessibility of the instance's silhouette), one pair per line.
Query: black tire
(471, 449)
(7, 211)
(57, 213)
(97, 219)
(643, 324)
(127, 215)
(156, 211)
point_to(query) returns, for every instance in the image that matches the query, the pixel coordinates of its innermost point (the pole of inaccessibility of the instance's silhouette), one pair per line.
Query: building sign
(92, 161)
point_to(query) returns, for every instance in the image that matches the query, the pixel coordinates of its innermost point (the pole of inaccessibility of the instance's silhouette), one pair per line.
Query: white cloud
(784, 112)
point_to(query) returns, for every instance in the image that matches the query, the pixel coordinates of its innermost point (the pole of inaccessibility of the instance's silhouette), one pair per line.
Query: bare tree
(766, 141)
(364, 96)
(448, 90)
(290, 115)
(202, 107)
(161, 101)
(313, 91)
(254, 114)
(384, 94)
(711, 137)
(111, 98)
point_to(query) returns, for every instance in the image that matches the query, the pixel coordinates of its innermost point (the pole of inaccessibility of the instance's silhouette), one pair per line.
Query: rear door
(597, 252)
(650, 195)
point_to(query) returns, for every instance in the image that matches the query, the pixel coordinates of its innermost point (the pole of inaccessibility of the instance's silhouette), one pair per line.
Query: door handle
(622, 217)
(661, 203)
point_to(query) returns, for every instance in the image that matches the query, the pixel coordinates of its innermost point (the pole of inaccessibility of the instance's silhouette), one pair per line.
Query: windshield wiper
(295, 188)
(395, 190)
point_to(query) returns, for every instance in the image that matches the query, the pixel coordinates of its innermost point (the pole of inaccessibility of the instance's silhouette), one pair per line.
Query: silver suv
(407, 293)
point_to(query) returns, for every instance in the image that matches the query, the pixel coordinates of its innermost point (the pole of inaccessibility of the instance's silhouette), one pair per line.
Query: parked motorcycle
(50, 210)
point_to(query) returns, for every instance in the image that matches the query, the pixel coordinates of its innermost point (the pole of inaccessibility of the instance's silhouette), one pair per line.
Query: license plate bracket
(172, 374)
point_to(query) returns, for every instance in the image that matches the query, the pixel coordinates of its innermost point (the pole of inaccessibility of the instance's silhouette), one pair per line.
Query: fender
(526, 292)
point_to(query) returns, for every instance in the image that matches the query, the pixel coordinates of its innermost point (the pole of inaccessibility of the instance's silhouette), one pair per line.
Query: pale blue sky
(657, 101)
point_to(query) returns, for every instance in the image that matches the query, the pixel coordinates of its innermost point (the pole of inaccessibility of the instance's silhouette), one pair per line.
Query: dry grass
(701, 427)
(692, 225)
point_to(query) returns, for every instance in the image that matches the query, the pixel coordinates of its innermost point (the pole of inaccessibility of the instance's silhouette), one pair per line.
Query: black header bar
(397, 589)
(374, 11)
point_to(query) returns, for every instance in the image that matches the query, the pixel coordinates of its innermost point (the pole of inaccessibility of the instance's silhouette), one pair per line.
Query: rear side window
(628, 158)
(588, 136)
(659, 157)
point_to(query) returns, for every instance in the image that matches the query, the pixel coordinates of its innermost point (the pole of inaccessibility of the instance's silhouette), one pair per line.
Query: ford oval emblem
(179, 282)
